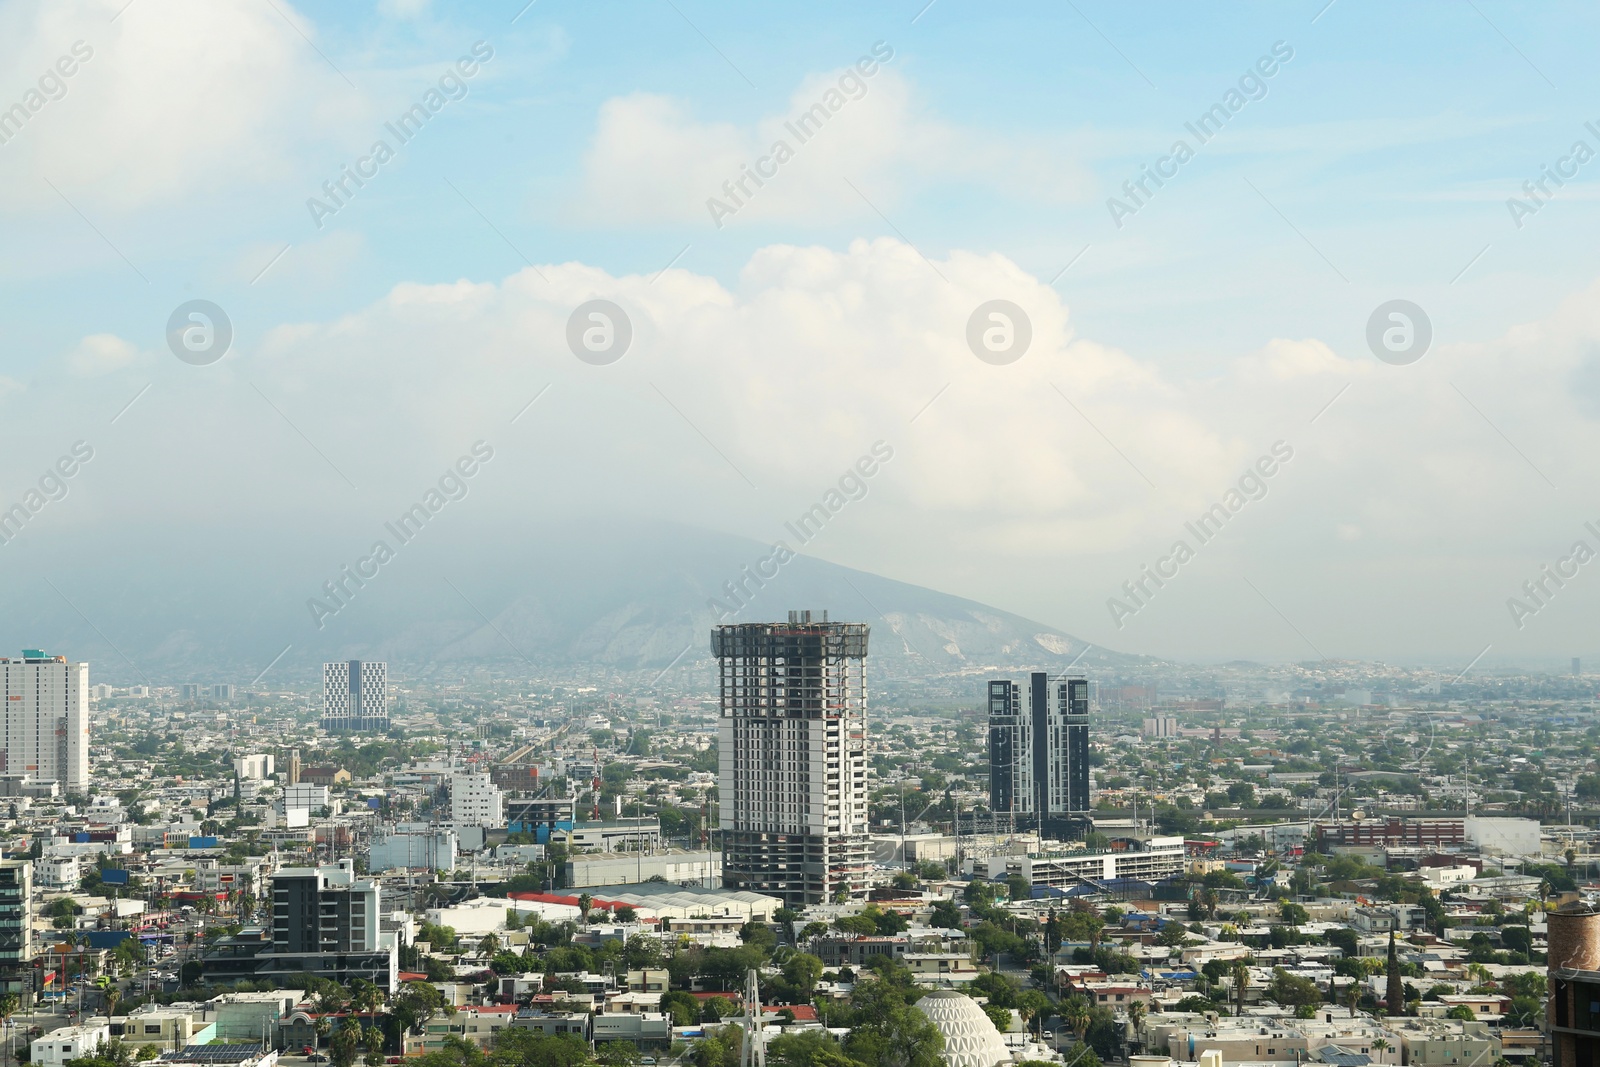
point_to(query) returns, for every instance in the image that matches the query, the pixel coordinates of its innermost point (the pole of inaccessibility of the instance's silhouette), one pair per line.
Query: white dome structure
(970, 1037)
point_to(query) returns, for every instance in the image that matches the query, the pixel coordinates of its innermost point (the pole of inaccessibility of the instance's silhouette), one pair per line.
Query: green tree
(9, 1003)
(617, 1054)
(803, 971)
(901, 1036)
(1136, 1016)
(859, 925)
(1076, 1014)
(365, 998)
(1034, 1007)
(759, 935)
(1240, 972)
(683, 1007)
(1082, 926)
(342, 1049)
(1172, 935)
(946, 915)
(1293, 991)
(111, 1053)
(416, 1003)
(518, 1047)
(806, 1048)
(719, 1048)
(715, 1009)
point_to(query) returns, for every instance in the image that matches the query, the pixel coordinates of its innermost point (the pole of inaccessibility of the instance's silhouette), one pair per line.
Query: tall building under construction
(792, 765)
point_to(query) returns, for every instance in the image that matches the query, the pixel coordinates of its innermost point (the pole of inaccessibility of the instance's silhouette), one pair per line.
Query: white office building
(355, 697)
(476, 801)
(44, 732)
(69, 1043)
(303, 798)
(254, 768)
(434, 851)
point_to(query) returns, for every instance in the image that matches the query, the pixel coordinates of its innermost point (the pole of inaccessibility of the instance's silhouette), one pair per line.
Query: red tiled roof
(803, 1013)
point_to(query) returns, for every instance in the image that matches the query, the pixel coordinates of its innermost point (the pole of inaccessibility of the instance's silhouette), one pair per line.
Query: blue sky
(1376, 165)
(1391, 141)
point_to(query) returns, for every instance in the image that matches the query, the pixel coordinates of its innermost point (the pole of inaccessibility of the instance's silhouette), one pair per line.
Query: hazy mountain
(216, 606)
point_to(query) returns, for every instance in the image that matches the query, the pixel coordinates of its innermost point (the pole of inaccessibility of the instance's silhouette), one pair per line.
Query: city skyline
(907, 535)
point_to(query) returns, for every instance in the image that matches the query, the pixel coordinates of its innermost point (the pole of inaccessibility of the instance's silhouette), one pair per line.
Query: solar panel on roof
(213, 1054)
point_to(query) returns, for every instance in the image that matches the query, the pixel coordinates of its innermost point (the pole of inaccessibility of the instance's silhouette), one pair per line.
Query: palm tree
(1379, 1045)
(1076, 1013)
(321, 1026)
(366, 999)
(1241, 981)
(1136, 1014)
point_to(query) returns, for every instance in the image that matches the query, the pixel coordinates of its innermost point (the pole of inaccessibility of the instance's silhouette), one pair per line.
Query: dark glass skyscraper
(1039, 756)
(1010, 752)
(1073, 706)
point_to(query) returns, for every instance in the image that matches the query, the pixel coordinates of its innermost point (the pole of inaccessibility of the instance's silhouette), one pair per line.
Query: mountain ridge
(620, 598)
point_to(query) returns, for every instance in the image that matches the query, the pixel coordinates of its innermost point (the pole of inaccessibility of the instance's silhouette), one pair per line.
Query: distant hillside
(624, 599)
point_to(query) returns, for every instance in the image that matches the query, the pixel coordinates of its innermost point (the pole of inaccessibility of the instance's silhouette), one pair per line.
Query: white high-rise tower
(44, 732)
(355, 697)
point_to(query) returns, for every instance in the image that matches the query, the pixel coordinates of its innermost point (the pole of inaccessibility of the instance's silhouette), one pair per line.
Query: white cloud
(167, 101)
(100, 353)
(1023, 485)
(403, 9)
(651, 161)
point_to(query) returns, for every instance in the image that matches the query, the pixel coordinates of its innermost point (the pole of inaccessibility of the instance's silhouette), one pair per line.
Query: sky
(1351, 319)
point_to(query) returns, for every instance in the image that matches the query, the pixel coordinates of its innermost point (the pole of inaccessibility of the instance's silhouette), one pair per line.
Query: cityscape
(1354, 865)
(681, 533)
